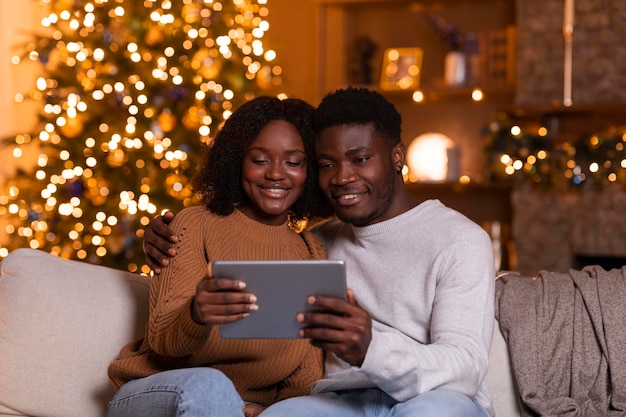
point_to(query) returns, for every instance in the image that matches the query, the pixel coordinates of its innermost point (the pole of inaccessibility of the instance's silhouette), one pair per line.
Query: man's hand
(252, 410)
(343, 328)
(158, 242)
(222, 300)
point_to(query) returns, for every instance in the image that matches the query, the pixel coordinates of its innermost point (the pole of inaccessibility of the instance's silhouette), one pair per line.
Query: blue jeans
(376, 403)
(191, 392)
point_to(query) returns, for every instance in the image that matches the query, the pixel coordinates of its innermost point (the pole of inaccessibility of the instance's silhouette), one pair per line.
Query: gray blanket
(567, 340)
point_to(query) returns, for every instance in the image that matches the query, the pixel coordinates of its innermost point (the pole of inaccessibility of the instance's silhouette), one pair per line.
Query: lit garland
(530, 155)
(132, 92)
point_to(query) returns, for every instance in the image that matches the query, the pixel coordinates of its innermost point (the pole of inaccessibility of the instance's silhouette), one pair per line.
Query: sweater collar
(247, 224)
(393, 224)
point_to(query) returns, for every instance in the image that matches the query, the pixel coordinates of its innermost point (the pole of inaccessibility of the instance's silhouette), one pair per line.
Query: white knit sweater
(427, 279)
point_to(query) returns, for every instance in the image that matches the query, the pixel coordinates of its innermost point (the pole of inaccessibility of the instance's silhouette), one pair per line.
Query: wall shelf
(403, 23)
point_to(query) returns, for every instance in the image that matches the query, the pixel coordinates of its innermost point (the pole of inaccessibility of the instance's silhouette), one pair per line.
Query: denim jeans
(189, 392)
(376, 403)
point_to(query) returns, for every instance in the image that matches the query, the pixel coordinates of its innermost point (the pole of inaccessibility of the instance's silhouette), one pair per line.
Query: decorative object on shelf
(447, 31)
(401, 69)
(433, 157)
(454, 68)
(360, 63)
(455, 62)
(472, 57)
(485, 57)
(528, 155)
(496, 49)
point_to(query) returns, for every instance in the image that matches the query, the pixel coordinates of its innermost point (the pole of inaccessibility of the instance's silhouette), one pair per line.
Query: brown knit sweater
(263, 370)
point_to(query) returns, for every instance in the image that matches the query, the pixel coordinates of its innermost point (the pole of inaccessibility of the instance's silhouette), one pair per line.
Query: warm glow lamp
(433, 157)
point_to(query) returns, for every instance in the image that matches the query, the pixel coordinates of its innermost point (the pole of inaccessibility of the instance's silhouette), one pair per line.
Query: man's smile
(349, 198)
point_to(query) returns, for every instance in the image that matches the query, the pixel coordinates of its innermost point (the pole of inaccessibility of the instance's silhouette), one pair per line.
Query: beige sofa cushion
(500, 378)
(61, 323)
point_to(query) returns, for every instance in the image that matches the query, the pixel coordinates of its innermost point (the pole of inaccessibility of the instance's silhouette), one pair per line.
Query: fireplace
(557, 231)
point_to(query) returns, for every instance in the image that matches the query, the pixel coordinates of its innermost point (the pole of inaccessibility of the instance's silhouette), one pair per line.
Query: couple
(412, 340)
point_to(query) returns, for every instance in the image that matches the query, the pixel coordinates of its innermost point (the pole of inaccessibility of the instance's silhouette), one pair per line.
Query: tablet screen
(281, 288)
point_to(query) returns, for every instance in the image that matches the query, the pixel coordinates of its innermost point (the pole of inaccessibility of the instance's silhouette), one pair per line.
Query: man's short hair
(360, 106)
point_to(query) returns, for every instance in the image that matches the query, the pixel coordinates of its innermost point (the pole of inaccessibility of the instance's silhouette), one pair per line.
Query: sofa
(62, 322)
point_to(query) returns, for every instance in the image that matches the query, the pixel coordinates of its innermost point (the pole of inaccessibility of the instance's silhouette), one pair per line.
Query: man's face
(357, 173)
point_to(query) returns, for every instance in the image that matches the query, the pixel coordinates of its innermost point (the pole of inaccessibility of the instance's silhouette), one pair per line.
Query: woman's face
(273, 173)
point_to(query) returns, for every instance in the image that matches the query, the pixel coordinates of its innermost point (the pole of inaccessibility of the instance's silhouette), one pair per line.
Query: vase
(454, 68)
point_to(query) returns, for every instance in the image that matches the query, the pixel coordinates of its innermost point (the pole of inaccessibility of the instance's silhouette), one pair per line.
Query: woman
(258, 180)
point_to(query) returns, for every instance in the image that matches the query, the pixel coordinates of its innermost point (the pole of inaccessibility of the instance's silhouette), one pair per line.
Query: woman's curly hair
(360, 106)
(219, 179)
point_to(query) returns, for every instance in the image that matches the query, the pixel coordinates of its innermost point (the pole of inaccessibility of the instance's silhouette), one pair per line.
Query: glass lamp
(433, 157)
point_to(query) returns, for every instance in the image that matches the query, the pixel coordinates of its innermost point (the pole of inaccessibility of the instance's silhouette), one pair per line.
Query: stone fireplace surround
(558, 231)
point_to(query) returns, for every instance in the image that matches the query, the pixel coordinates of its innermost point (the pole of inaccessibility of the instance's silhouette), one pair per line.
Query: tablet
(281, 288)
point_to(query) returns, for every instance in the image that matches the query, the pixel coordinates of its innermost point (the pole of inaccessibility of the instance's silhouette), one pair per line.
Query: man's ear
(399, 156)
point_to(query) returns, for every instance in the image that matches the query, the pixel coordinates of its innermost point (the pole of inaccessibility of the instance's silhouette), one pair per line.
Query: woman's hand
(222, 300)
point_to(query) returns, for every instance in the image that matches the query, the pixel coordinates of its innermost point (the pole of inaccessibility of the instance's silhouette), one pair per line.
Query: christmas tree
(131, 93)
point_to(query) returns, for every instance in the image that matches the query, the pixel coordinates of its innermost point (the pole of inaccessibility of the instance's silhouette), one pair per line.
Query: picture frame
(401, 69)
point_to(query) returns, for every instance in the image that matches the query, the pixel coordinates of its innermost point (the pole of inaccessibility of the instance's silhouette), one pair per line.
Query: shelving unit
(404, 23)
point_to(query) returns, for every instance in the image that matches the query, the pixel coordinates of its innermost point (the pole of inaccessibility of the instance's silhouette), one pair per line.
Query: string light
(528, 154)
(131, 91)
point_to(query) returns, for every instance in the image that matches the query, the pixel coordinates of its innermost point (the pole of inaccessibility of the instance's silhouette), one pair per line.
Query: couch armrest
(61, 323)
(499, 376)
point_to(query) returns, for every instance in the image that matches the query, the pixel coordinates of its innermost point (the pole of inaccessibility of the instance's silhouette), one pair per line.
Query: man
(414, 336)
